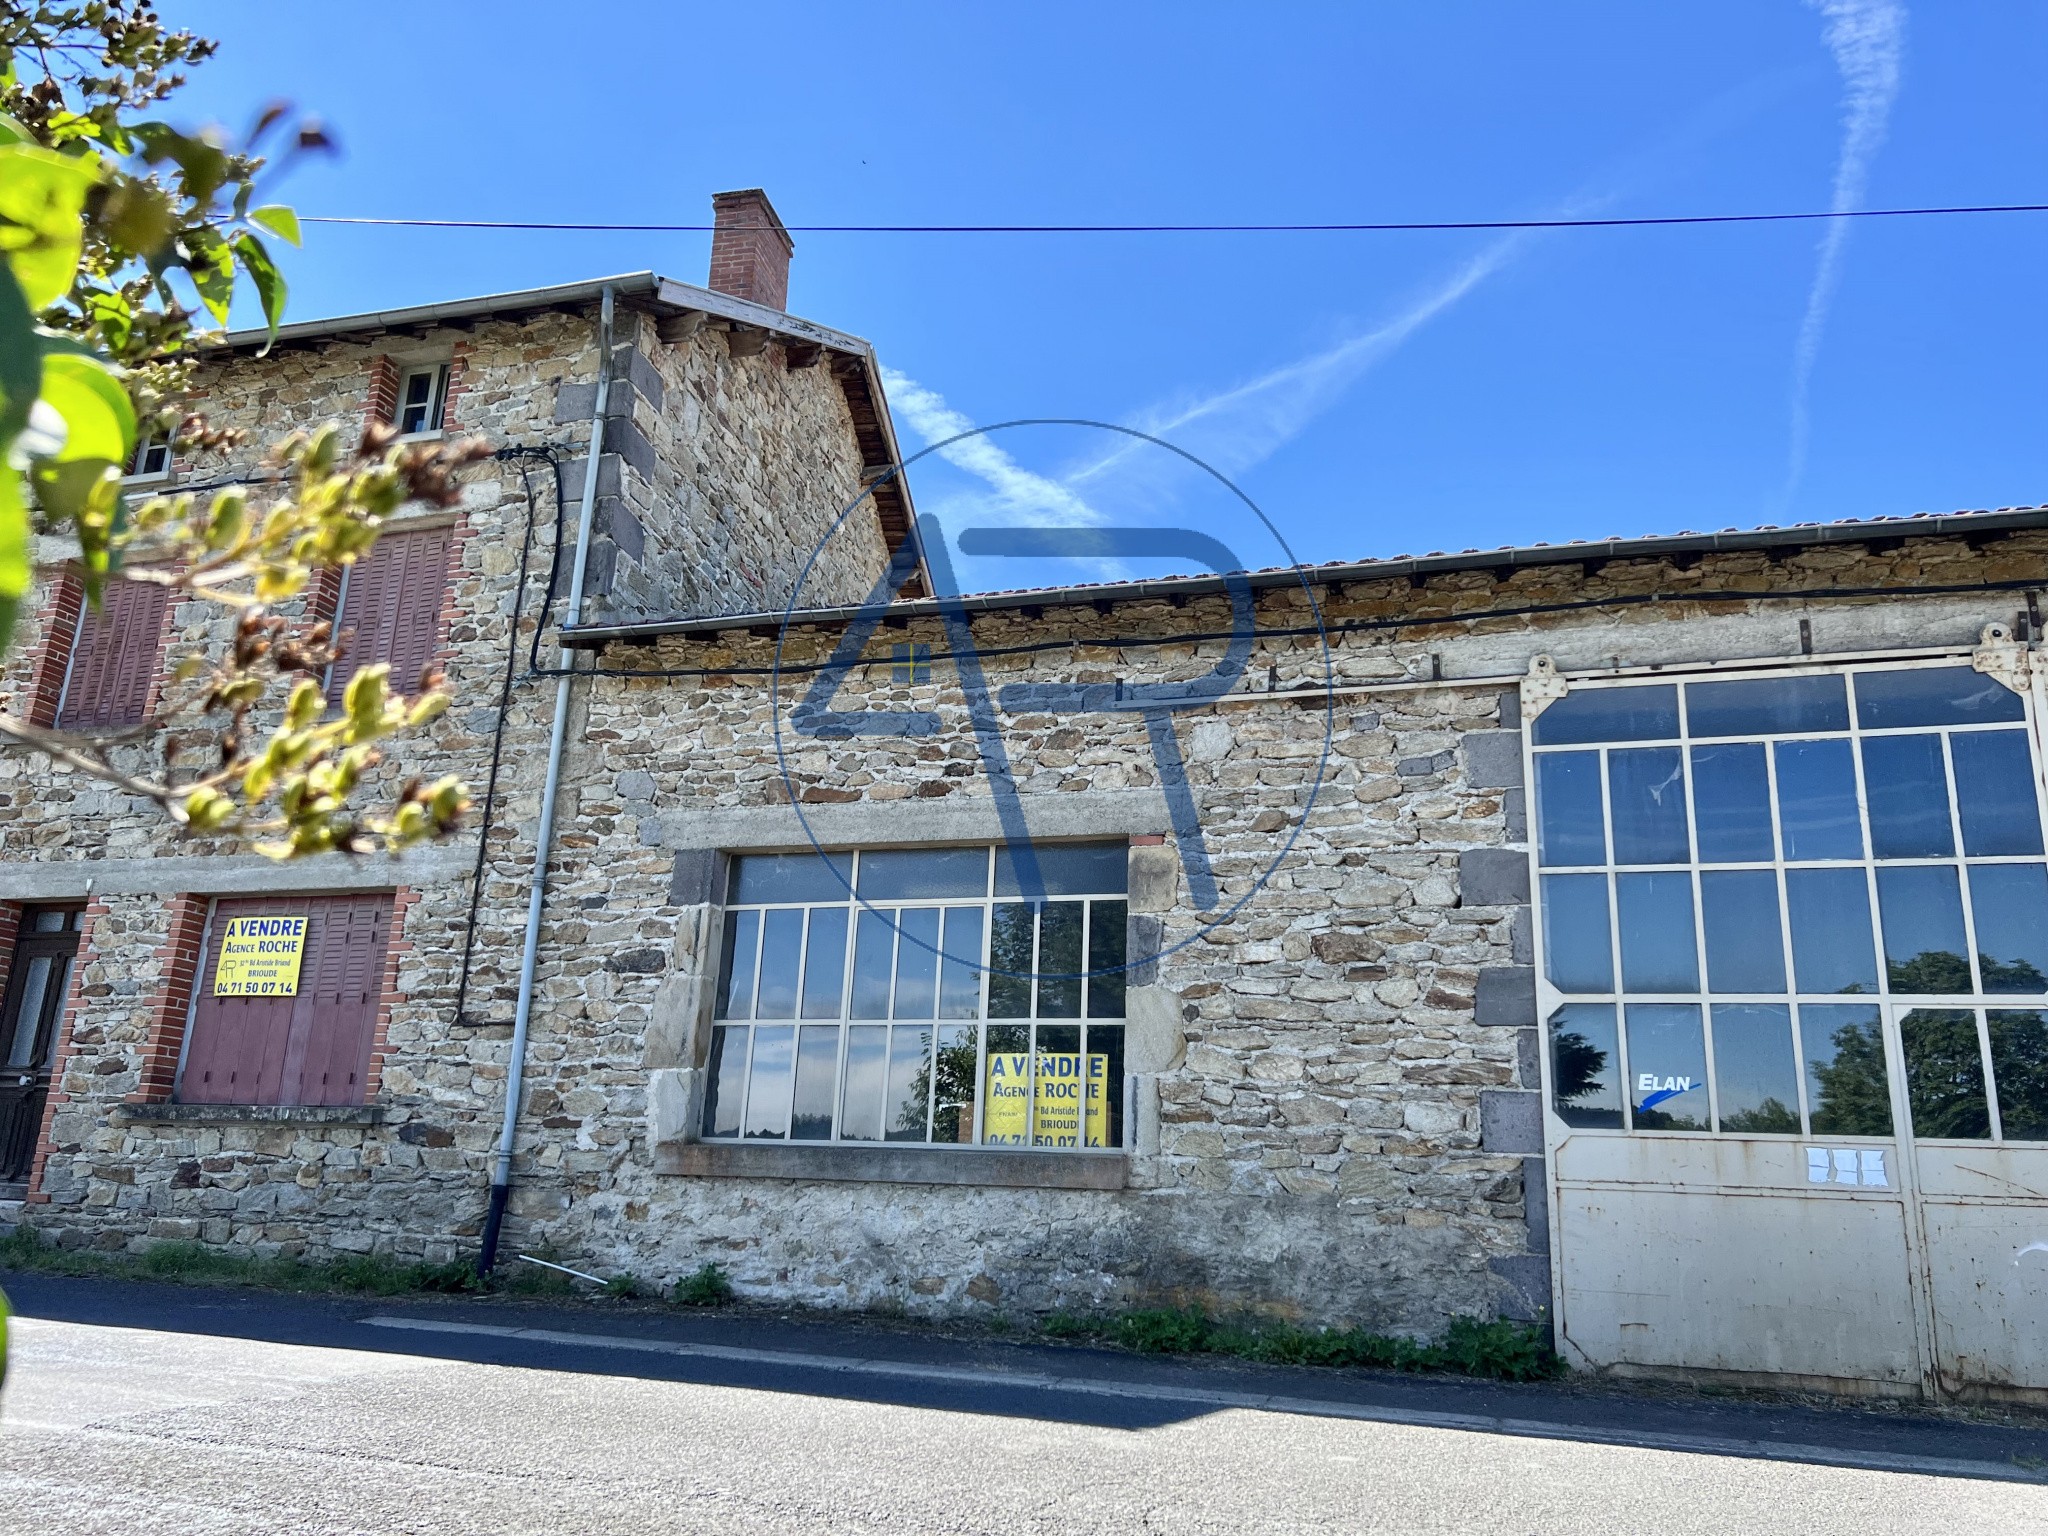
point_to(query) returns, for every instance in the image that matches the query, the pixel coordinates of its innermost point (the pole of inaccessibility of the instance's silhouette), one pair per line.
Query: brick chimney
(750, 248)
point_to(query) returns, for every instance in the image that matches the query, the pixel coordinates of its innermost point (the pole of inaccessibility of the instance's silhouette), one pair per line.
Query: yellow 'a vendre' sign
(259, 957)
(1066, 1095)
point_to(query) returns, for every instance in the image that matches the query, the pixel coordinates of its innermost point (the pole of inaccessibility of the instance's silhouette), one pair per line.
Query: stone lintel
(907, 823)
(248, 1114)
(235, 874)
(984, 1166)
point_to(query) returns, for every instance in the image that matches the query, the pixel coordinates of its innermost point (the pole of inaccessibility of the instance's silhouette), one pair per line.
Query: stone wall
(729, 470)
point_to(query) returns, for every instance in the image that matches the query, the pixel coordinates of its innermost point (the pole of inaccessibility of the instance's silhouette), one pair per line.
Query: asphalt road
(142, 1409)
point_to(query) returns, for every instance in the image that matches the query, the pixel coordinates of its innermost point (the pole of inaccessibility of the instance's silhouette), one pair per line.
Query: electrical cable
(1385, 227)
(547, 602)
(1350, 626)
(517, 455)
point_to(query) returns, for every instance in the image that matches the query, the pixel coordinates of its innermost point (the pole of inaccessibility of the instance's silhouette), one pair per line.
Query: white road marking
(1712, 1445)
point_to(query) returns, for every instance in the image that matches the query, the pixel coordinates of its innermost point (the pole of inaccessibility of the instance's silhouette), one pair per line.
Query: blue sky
(1375, 394)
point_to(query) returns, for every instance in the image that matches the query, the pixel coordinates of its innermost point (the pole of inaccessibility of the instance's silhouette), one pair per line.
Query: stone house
(1648, 936)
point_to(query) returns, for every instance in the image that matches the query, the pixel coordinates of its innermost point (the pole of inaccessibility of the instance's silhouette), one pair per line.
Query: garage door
(1794, 930)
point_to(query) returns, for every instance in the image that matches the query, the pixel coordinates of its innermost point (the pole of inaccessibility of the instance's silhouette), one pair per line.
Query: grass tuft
(705, 1286)
(190, 1263)
(1501, 1349)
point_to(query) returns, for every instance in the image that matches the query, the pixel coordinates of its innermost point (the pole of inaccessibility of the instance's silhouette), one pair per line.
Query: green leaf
(114, 316)
(279, 220)
(14, 562)
(136, 216)
(202, 166)
(212, 266)
(21, 360)
(42, 195)
(99, 421)
(268, 280)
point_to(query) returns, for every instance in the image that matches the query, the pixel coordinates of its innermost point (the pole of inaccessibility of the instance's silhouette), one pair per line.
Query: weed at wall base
(705, 1286)
(1501, 1349)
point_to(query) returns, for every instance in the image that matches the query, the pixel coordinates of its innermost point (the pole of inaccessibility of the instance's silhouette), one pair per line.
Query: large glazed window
(916, 996)
(1743, 879)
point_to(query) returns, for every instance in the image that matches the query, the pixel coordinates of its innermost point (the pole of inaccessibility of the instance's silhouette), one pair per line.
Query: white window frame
(981, 1023)
(1891, 1007)
(139, 472)
(436, 374)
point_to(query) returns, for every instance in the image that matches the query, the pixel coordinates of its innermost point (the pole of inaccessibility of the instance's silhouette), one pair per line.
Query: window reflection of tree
(1769, 1117)
(1945, 1074)
(1580, 1066)
(1670, 1120)
(955, 1064)
(2019, 1065)
(2011, 975)
(1853, 1096)
(1934, 971)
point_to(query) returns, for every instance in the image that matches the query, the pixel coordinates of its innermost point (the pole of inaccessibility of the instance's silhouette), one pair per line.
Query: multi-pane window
(1754, 890)
(391, 607)
(422, 398)
(923, 996)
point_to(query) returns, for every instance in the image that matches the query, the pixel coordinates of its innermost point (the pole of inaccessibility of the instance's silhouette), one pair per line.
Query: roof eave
(596, 637)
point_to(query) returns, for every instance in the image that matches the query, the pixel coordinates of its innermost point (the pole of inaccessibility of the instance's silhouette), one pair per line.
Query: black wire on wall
(518, 456)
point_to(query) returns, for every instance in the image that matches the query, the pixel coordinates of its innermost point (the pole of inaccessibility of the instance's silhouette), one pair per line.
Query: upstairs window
(391, 600)
(113, 658)
(937, 1006)
(152, 461)
(422, 398)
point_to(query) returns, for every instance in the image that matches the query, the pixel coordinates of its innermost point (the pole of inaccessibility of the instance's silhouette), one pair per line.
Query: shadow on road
(859, 1360)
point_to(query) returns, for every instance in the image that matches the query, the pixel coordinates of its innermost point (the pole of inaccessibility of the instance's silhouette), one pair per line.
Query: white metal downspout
(515, 1077)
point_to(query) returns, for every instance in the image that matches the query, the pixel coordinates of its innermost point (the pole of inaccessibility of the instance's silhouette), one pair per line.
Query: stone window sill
(248, 1114)
(984, 1167)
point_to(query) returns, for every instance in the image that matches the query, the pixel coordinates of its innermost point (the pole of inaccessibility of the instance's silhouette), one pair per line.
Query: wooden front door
(30, 1020)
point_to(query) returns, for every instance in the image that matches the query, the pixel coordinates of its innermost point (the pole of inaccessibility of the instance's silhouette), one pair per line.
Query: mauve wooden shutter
(237, 1049)
(311, 1048)
(393, 603)
(113, 660)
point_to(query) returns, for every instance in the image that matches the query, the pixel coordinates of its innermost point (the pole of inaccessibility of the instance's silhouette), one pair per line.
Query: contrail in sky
(1868, 40)
(1031, 499)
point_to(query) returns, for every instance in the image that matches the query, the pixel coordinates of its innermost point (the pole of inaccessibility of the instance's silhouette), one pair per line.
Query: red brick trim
(1148, 839)
(459, 536)
(451, 396)
(10, 930)
(74, 1004)
(323, 606)
(177, 971)
(396, 947)
(61, 617)
(381, 404)
(160, 672)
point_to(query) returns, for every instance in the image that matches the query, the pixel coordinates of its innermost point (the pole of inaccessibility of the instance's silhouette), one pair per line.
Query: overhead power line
(1192, 229)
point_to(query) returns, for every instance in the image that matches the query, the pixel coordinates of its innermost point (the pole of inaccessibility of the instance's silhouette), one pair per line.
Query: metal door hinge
(2000, 656)
(1542, 688)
